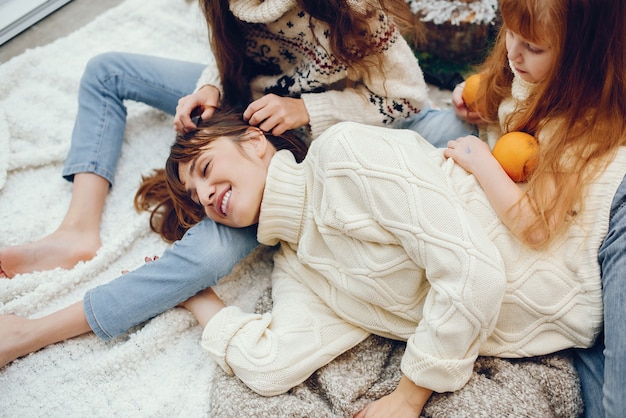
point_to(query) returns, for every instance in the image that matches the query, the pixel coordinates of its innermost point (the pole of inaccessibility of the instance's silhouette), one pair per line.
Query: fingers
(207, 112)
(461, 110)
(473, 118)
(206, 99)
(259, 113)
(147, 259)
(361, 413)
(275, 114)
(182, 120)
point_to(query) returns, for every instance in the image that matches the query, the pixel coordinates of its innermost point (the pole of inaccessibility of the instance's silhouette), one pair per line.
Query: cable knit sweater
(380, 234)
(294, 61)
(553, 300)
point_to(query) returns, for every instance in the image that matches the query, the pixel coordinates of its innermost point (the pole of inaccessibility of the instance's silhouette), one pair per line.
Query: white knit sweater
(380, 234)
(294, 61)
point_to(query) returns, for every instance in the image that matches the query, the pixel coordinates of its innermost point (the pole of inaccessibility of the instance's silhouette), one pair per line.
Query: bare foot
(63, 248)
(20, 336)
(15, 338)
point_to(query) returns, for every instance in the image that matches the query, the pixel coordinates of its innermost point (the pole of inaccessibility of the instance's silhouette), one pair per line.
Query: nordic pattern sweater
(294, 61)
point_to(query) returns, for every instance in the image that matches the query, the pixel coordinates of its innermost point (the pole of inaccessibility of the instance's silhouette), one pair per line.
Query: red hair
(580, 106)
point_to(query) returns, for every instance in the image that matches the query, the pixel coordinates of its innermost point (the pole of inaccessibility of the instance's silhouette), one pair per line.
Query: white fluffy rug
(159, 369)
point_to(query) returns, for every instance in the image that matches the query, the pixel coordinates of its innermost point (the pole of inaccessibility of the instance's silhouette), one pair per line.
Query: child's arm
(203, 306)
(475, 156)
(407, 400)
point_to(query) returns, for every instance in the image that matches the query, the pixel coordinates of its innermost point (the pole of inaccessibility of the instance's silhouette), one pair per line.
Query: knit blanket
(158, 369)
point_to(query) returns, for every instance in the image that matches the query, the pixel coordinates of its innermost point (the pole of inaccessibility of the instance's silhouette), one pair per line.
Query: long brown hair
(580, 107)
(172, 212)
(350, 37)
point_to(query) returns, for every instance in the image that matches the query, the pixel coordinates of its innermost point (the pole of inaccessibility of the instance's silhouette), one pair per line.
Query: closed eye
(533, 49)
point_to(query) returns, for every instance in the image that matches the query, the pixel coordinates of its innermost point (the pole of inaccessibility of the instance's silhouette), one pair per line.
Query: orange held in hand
(516, 153)
(470, 92)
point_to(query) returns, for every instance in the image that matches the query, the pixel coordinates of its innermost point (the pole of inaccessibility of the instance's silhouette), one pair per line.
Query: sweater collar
(284, 199)
(260, 11)
(520, 89)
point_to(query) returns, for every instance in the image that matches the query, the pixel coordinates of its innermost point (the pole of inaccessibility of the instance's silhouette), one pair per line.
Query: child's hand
(276, 114)
(461, 110)
(206, 99)
(406, 401)
(146, 259)
(469, 152)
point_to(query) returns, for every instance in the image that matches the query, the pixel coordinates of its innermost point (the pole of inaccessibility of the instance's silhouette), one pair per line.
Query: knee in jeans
(101, 65)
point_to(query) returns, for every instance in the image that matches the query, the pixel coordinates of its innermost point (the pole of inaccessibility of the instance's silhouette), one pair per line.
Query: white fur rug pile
(158, 370)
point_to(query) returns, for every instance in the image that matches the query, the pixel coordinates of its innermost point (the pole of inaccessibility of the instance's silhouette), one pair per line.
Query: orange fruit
(516, 153)
(470, 92)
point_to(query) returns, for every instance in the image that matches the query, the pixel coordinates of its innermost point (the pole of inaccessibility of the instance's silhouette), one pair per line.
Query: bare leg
(20, 336)
(203, 306)
(76, 239)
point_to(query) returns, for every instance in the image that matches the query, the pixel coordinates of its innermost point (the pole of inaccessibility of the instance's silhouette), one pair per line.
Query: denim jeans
(602, 368)
(438, 126)
(108, 80)
(206, 253)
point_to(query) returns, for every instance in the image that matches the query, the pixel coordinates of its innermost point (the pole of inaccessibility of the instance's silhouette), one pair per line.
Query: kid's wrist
(414, 395)
(485, 167)
(211, 86)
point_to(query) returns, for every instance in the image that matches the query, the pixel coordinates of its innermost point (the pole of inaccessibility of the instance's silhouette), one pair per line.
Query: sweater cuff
(210, 76)
(439, 375)
(320, 116)
(221, 329)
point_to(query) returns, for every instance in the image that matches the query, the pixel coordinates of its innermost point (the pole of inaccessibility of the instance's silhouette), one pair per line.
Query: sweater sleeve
(392, 91)
(273, 352)
(211, 76)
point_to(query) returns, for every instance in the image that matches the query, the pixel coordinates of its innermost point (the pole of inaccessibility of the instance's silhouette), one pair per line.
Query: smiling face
(227, 179)
(531, 60)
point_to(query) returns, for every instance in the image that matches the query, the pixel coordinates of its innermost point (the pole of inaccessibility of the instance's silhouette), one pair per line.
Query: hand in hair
(206, 98)
(276, 114)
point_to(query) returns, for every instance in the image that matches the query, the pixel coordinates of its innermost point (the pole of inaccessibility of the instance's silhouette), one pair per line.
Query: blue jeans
(206, 253)
(108, 80)
(438, 126)
(602, 368)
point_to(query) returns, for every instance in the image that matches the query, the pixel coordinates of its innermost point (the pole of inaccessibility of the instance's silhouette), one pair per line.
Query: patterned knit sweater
(380, 234)
(294, 61)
